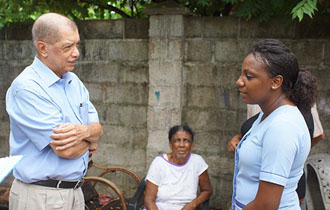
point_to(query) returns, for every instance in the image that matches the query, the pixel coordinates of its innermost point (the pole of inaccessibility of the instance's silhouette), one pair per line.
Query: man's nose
(75, 52)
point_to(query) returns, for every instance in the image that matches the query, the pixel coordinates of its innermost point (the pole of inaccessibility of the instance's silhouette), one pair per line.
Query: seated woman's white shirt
(177, 184)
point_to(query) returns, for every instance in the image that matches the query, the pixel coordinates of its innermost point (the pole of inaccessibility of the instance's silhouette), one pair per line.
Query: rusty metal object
(114, 186)
(106, 194)
(116, 169)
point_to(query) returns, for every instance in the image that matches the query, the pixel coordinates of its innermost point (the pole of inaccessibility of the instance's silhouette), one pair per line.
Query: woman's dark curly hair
(298, 84)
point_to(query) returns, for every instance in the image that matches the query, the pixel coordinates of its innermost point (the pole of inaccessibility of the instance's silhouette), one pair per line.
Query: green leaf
(294, 16)
(294, 10)
(300, 14)
(301, 3)
(312, 4)
(310, 15)
(306, 11)
(309, 9)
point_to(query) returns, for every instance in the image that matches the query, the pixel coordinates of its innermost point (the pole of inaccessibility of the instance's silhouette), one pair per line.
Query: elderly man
(53, 123)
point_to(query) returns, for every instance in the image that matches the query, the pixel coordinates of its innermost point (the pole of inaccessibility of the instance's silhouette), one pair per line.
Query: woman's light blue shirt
(38, 101)
(274, 151)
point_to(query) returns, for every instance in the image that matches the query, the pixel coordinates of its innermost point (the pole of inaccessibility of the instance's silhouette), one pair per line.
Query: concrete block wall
(166, 50)
(114, 67)
(145, 75)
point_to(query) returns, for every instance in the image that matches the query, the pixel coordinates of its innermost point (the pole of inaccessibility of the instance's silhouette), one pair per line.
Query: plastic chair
(137, 200)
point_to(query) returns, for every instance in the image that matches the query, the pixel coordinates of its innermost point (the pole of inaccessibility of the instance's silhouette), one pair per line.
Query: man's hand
(232, 144)
(92, 148)
(67, 135)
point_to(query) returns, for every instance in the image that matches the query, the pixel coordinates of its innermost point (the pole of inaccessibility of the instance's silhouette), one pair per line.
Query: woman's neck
(176, 161)
(280, 100)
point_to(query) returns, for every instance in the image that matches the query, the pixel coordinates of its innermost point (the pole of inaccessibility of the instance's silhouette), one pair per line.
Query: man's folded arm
(73, 152)
(69, 134)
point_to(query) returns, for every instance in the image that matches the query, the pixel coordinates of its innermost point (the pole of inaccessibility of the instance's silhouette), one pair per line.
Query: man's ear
(42, 48)
(277, 82)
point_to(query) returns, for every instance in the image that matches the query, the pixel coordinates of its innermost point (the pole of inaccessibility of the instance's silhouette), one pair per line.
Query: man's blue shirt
(38, 101)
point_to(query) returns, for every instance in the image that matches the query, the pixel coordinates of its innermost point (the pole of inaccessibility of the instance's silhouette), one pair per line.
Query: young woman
(270, 157)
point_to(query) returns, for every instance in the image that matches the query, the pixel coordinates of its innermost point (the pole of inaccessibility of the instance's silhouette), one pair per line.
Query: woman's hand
(230, 207)
(190, 206)
(205, 191)
(232, 144)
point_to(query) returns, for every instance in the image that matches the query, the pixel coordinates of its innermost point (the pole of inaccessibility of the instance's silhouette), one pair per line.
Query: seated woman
(173, 178)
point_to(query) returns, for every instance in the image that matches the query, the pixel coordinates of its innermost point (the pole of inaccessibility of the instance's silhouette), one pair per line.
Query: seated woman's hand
(190, 206)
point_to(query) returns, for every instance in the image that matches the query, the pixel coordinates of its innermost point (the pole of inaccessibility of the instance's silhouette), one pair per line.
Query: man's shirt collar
(47, 75)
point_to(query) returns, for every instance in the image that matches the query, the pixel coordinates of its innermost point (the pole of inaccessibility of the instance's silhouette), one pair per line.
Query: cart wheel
(126, 180)
(101, 193)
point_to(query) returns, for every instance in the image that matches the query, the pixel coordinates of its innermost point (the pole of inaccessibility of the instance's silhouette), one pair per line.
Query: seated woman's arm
(150, 196)
(205, 191)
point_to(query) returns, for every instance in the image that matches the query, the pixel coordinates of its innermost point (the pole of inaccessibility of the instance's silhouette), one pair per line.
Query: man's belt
(60, 183)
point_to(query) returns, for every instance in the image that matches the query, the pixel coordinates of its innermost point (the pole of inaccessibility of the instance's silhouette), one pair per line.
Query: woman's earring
(273, 87)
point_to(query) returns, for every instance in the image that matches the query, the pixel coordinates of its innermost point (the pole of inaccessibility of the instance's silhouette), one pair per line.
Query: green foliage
(28, 10)
(263, 10)
(304, 7)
